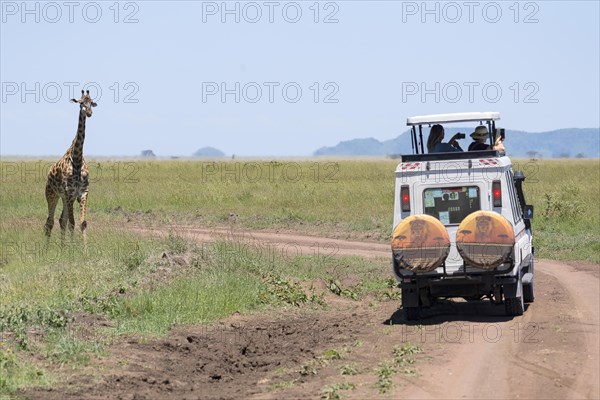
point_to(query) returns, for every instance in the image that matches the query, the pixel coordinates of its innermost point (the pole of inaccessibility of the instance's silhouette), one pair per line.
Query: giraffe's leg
(63, 219)
(52, 200)
(71, 216)
(82, 208)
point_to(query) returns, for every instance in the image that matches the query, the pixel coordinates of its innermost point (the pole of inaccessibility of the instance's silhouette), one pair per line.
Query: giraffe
(68, 177)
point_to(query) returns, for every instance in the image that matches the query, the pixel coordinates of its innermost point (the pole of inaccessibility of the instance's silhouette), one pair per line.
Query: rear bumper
(466, 272)
(460, 283)
(415, 292)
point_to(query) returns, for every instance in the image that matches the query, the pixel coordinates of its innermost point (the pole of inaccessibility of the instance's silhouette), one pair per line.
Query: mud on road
(469, 349)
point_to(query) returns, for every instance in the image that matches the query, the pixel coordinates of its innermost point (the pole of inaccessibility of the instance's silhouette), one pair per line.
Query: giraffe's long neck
(76, 148)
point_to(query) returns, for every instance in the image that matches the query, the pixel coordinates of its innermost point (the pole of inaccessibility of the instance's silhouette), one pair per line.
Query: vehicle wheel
(411, 313)
(514, 306)
(528, 295)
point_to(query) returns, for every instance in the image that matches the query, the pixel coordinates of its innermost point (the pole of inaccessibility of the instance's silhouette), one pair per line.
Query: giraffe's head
(85, 103)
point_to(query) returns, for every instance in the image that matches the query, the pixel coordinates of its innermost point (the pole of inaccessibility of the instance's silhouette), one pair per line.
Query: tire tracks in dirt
(471, 349)
(535, 355)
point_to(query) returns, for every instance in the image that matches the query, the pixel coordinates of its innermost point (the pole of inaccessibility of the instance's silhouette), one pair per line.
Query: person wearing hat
(480, 136)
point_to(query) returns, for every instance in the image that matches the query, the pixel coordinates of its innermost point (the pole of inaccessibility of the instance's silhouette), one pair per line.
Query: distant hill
(147, 154)
(208, 152)
(572, 142)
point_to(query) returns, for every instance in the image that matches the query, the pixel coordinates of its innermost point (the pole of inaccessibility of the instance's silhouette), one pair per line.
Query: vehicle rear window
(451, 205)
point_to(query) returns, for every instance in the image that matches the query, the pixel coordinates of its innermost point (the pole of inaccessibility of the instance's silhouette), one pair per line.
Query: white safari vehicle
(461, 224)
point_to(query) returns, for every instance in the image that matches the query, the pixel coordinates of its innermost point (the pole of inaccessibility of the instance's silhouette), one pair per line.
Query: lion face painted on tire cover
(418, 232)
(484, 226)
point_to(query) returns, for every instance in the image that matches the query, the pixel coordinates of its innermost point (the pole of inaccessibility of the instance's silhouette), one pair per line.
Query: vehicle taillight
(405, 198)
(497, 194)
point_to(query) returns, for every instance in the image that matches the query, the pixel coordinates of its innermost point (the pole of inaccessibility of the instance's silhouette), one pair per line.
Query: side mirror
(519, 176)
(528, 212)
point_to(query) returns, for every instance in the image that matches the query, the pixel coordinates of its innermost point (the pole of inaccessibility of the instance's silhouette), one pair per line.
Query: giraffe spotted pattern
(68, 177)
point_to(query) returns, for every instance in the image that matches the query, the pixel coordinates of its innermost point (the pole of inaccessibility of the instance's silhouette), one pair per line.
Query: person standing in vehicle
(480, 135)
(435, 144)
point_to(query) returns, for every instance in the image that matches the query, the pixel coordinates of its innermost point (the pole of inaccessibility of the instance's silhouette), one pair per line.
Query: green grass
(384, 372)
(402, 354)
(199, 297)
(16, 374)
(565, 197)
(348, 369)
(65, 349)
(341, 198)
(280, 194)
(121, 274)
(331, 392)
(403, 362)
(44, 287)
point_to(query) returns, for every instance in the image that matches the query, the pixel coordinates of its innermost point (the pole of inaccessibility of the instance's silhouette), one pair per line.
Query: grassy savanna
(565, 195)
(346, 196)
(123, 277)
(337, 198)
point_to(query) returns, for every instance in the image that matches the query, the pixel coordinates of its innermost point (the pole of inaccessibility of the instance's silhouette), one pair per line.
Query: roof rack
(488, 118)
(454, 117)
(455, 155)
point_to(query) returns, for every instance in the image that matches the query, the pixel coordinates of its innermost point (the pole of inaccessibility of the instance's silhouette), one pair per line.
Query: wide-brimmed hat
(481, 132)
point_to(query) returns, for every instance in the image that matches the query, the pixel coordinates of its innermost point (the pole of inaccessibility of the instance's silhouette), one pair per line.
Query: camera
(460, 135)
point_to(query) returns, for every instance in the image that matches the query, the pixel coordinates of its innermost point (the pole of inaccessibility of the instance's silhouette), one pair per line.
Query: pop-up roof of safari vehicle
(488, 118)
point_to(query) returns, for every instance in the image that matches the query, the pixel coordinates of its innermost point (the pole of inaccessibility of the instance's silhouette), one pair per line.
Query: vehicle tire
(412, 313)
(528, 296)
(514, 306)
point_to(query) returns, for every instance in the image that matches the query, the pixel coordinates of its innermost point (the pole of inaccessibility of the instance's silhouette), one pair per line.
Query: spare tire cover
(485, 239)
(420, 243)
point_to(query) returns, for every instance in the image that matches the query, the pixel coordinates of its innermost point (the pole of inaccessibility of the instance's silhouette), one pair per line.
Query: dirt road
(469, 349)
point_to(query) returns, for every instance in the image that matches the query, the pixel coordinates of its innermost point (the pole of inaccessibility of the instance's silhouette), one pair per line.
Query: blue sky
(362, 68)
